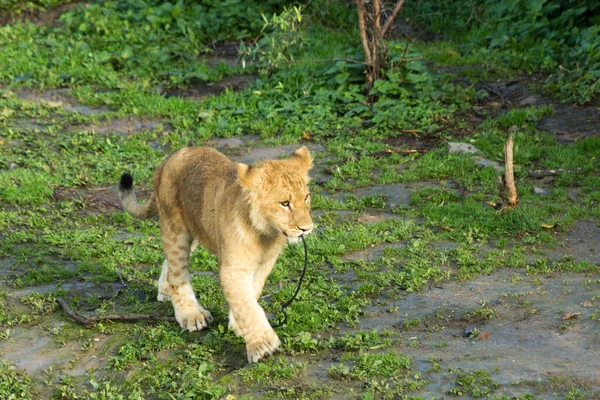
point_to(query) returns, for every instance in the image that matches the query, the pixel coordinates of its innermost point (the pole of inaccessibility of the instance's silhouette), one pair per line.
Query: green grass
(98, 57)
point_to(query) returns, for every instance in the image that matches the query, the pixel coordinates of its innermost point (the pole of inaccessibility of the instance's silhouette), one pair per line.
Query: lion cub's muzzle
(306, 229)
(294, 234)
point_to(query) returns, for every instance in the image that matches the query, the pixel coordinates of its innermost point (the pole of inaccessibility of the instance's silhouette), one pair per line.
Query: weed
(483, 313)
(272, 372)
(362, 341)
(476, 384)
(367, 365)
(144, 346)
(14, 384)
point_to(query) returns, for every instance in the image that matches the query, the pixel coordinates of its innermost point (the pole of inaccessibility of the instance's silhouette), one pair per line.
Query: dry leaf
(547, 226)
(570, 315)
(54, 104)
(204, 115)
(306, 135)
(367, 218)
(483, 335)
(491, 204)
(6, 112)
(588, 304)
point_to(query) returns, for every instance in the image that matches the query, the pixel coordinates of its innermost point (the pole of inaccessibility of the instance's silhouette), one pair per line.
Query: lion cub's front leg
(249, 319)
(260, 277)
(188, 312)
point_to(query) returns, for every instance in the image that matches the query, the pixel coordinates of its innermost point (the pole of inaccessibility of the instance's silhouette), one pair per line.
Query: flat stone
(393, 195)
(540, 191)
(484, 162)
(227, 142)
(529, 101)
(274, 153)
(461, 148)
(123, 126)
(513, 129)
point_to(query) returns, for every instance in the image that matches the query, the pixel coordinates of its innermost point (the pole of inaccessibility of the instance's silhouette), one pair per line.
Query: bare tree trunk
(362, 26)
(372, 34)
(378, 49)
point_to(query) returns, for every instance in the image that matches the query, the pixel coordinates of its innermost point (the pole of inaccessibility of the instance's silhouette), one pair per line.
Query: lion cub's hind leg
(164, 293)
(177, 243)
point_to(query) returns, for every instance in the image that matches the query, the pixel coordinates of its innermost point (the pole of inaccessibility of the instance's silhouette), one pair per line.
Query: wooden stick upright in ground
(506, 182)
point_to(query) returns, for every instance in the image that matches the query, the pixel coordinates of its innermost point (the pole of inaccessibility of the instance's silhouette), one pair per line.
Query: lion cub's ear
(246, 177)
(242, 173)
(303, 157)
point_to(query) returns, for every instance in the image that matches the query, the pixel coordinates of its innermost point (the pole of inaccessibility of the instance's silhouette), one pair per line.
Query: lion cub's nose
(305, 228)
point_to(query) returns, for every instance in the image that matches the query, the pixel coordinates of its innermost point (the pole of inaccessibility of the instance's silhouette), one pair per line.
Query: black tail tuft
(126, 182)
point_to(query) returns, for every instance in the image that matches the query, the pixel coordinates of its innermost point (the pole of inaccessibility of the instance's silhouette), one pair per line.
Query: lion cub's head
(279, 195)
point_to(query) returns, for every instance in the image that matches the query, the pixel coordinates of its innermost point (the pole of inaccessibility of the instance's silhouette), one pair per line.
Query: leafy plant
(561, 38)
(281, 39)
(14, 385)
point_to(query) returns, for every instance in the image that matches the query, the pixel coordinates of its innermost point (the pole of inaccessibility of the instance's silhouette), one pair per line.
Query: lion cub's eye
(285, 204)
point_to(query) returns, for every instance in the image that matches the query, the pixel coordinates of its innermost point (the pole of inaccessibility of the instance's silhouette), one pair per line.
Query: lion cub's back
(195, 164)
(187, 186)
(191, 173)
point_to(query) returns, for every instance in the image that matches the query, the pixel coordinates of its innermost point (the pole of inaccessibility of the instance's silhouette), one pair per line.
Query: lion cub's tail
(130, 201)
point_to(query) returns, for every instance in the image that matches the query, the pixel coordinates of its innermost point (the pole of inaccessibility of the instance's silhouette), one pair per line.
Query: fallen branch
(76, 316)
(506, 182)
(88, 321)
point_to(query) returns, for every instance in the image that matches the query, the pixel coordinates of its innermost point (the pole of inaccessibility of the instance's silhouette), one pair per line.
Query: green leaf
(341, 78)
(176, 10)
(127, 52)
(415, 66)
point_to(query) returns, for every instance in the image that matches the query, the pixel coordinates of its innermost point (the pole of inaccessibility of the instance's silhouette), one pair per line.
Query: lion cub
(243, 214)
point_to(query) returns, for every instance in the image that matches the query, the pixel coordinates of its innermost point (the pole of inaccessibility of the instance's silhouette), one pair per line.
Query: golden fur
(243, 214)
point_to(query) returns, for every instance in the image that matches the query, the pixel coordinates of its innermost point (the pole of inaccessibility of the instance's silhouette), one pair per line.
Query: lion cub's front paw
(193, 319)
(262, 346)
(164, 294)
